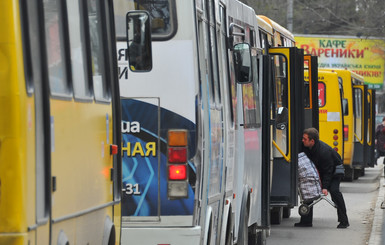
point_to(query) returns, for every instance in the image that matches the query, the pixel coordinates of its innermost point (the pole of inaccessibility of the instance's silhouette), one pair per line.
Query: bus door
(311, 92)
(370, 120)
(287, 117)
(360, 127)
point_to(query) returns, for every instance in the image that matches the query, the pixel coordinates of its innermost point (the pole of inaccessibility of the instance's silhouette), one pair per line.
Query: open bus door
(311, 92)
(287, 118)
(360, 131)
(370, 119)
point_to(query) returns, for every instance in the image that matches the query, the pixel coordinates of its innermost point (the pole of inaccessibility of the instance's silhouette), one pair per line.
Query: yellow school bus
(330, 110)
(60, 124)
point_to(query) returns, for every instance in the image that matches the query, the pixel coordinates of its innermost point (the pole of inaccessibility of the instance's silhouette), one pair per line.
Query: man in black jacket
(325, 159)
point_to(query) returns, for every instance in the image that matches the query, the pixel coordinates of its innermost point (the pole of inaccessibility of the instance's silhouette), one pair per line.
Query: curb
(376, 233)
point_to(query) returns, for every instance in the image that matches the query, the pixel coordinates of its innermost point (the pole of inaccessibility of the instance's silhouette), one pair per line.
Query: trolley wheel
(303, 209)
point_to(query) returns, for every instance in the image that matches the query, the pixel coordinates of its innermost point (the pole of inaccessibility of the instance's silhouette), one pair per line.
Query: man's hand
(325, 192)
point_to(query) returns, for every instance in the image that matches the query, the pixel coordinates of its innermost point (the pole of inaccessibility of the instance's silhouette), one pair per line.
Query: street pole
(289, 15)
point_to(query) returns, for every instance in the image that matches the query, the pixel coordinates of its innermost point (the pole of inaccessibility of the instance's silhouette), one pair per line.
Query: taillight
(177, 154)
(177, 172)
(335, 138)
(346, 132)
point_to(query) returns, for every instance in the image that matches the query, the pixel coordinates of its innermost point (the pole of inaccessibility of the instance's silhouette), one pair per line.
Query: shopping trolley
(309, 185)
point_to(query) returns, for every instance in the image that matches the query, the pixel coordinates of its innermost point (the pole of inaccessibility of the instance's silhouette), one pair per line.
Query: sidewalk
(377, 234)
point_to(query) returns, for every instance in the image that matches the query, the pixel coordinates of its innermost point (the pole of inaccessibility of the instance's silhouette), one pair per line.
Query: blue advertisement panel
(144, 158)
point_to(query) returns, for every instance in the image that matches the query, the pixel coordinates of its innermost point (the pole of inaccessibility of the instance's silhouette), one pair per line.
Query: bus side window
(81, 79)
(99, 75)
(57, 69)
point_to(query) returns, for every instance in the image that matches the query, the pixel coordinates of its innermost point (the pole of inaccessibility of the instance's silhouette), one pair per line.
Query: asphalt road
(363, 198)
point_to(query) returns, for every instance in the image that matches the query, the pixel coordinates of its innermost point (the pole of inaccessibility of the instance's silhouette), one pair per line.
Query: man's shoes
(303, 224)
(343, 225)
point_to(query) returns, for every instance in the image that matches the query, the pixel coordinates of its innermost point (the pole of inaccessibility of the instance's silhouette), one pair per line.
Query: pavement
(377, 235)
(363, 198)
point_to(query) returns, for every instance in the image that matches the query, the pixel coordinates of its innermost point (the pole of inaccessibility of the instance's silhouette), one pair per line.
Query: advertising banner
(365, 57)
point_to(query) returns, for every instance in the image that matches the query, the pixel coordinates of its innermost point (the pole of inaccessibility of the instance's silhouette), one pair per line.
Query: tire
(303, 209)
(349, 174)
(229, 232)
(286, 212)
(244, 233)
(276, 215)
(261, 237)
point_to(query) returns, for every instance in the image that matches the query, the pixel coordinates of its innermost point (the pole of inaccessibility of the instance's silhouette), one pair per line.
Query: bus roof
(278, 28)
(264, 25)
(352, 74)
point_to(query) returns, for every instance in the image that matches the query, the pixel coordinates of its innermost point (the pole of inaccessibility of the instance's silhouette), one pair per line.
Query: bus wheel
(276, 215)
(286, 212)
(261, 237)
(253, 235)
(243, 233)
(349, 174)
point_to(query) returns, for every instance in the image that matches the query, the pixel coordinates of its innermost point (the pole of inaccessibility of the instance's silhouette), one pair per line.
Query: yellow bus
(60, 123)
(330, 110)
(357, 123)
(274, 36)
(281, 36)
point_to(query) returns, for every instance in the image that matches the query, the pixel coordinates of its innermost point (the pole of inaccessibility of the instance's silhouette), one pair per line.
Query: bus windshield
(162, 13)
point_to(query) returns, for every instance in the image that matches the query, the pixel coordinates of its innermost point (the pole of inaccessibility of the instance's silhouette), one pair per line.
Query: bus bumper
(161, 236)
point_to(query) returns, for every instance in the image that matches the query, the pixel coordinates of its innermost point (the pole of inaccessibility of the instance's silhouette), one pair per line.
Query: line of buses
(161, 122)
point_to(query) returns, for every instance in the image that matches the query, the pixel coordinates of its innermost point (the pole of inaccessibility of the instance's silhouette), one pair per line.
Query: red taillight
(335, 137)
(177, 155)
(113, 149)
(177, 172)
(336, 149)
(177, 183)
(346, 132)
(335, 131)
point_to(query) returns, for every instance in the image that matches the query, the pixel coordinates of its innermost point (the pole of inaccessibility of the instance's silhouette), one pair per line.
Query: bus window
(58, 81)
(162, 14)
(242, 62)
(357, 112)
(97, 51)
(345, 107)
(280, 134)
(307, 94)
(80, 79)
(321, 94)
(214, 55)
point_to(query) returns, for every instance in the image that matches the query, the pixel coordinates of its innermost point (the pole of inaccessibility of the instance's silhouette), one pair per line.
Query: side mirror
(282, 118)
(242, 62)
(139, 40)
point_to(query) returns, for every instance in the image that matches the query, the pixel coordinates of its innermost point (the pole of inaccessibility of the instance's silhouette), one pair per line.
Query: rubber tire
(286, 212)
(276, 215)
(303, 209)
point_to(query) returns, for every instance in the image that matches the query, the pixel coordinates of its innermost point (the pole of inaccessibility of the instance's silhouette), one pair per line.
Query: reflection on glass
(160, 12)
(78, 64)
(56, 69)
(139, 43)
(98, 73)
(280, 136)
